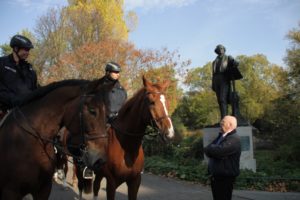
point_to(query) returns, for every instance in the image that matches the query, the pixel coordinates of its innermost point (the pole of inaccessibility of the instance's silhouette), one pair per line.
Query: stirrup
(87, 173)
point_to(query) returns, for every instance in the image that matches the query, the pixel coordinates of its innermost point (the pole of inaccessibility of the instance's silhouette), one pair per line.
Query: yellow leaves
(112, 24)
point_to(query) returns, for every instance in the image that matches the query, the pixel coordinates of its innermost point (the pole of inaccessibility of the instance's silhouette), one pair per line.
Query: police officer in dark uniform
(222, 74)
(118, 94)
(17, 76)
(117, 98)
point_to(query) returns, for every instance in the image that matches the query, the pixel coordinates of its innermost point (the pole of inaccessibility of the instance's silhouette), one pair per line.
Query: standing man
(17, 76)
(118, 94)
(222, 73)
(224, 159)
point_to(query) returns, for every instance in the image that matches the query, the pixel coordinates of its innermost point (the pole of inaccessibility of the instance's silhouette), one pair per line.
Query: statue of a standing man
(222, 74)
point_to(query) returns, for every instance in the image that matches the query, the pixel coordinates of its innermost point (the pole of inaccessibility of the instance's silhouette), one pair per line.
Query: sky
(192, 27)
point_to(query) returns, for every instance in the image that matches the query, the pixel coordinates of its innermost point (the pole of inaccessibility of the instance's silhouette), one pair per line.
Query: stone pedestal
(247, 160)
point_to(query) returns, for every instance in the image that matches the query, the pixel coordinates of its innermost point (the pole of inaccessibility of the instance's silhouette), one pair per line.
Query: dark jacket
(224, 158)
(15, 80)
(117, 96)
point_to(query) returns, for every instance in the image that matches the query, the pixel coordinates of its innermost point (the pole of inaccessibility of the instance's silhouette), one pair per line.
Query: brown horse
(125, 156)
(27, 135)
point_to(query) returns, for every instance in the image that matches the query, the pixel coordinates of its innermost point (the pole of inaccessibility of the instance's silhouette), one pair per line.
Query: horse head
(88, 137)
(157, 104)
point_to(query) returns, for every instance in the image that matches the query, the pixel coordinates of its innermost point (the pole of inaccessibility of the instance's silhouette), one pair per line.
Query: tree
(292, 59)
(51, 37)
(110, 13)
(263, 82)
(197, 110)
(88, 62)
(199, 78)
(283, 114)
(5, 49)
(62, 31)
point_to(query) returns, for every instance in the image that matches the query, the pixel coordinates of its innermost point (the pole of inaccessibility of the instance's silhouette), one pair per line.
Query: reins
(89, 135)
(25, 125)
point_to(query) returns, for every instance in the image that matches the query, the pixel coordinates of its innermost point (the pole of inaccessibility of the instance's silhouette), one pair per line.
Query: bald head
(228, 124)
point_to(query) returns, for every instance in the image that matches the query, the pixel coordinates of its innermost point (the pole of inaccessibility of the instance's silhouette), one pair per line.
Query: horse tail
(87, 185)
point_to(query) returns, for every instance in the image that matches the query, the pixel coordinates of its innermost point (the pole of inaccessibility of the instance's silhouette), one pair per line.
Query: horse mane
(42, 91)
(136, 97)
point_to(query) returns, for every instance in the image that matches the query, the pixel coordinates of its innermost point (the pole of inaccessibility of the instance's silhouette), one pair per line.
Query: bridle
(26, 126)
(90, 135)
(153, 121)
(158, 119)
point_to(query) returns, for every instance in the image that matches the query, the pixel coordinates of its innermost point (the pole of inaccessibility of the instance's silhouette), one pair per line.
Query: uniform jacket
(15, 80)
(117, 96)
(224, 158)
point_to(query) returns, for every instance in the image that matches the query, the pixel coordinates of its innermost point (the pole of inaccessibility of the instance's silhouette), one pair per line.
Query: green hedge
(194, 170)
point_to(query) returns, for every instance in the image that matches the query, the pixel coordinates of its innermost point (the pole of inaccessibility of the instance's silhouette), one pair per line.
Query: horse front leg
(133, 187)
(111, 187)
(97, 184)
(79, 182)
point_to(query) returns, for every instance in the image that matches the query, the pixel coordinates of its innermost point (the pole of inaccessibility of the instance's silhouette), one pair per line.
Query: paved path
(160, 188)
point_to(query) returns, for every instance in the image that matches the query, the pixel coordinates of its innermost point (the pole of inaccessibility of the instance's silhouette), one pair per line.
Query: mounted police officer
(224, 70)
(118, 94)
(117, 98)
(17, 76)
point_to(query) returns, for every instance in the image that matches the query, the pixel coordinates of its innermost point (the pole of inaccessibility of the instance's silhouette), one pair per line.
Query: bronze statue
(224, 72)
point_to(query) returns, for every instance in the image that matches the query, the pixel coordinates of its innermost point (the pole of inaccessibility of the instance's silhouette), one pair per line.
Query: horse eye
(92, 111)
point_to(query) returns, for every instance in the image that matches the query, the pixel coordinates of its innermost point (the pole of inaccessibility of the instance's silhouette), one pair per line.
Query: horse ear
(146, 82)
(165, 84)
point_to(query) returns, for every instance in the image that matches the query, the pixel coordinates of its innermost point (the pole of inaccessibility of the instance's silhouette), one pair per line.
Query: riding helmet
(20, 42)
(112, 67)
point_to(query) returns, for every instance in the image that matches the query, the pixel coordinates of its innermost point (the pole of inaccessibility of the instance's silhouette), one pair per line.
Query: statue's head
(220, 49)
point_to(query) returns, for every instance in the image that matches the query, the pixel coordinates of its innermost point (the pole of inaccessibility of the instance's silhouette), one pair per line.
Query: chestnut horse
(125, 156)
(27, 135)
